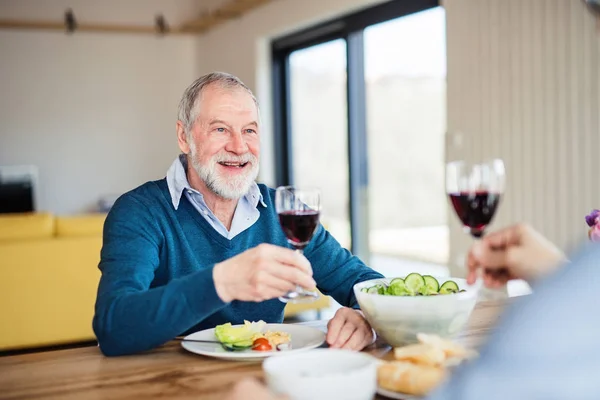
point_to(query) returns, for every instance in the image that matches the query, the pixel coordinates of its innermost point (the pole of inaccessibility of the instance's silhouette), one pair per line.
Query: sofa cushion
(80, 225)
(26, 226)
(48, 290)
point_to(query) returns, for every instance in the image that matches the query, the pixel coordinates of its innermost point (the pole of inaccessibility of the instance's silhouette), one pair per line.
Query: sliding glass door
(405, 74)
(360, 112)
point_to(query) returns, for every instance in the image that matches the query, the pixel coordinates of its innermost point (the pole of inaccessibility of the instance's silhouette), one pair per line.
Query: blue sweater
(157, 265)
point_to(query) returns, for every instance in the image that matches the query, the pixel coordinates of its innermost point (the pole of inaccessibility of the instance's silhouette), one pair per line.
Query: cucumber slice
(431, 284)
(398, 288)
(448, 287)
(377, 289)
(397, 281)
(373, 290)
(414, 283)
(365, 290)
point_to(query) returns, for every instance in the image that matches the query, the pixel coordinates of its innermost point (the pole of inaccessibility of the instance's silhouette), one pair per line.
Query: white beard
(226, 186)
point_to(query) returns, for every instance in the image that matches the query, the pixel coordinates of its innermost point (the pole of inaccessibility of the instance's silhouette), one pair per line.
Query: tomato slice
(261, 344)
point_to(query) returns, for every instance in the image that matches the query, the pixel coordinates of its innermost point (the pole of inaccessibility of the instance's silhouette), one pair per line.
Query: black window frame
(349, 27)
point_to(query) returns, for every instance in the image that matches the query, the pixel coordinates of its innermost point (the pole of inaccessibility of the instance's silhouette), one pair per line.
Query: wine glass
(298, 210)
(475, 190)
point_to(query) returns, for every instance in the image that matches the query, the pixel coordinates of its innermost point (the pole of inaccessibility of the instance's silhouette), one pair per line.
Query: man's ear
(182, 138)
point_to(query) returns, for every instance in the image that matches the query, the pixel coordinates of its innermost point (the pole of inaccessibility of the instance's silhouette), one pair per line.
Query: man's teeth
(233, 164)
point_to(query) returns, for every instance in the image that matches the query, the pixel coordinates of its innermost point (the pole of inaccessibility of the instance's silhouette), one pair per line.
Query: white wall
(242, 47)
(524, 85)
(94, 112)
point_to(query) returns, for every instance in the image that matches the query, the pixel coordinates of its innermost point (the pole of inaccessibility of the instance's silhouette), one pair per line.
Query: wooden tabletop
(167, 372)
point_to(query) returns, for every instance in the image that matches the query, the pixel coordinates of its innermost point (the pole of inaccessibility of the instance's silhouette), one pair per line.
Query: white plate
(396, 395)
(303, 338)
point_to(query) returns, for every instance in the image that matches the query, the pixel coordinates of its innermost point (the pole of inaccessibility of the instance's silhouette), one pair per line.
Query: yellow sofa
(49, 276)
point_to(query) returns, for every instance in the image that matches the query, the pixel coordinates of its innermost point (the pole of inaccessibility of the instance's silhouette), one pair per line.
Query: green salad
(414, 284)
(239, 336)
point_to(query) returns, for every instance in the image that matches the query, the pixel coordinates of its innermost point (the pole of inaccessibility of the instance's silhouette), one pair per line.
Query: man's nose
(237, 144)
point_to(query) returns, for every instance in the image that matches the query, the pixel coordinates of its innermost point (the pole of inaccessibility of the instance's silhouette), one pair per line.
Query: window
(360, 112)
(405, 75)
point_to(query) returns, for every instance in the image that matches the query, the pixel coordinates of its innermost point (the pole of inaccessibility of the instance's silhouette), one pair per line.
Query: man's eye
(220, 129)
(250, 131)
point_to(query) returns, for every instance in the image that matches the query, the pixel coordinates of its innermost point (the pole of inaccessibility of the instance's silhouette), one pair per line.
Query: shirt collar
(177, 182)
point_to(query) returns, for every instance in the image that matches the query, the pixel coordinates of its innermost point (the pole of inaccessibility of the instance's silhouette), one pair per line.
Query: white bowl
(323, 374)
(398, 319)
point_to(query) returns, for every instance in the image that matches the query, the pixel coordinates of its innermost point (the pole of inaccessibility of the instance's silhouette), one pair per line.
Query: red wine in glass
(474, 190)
(298, 210)
(299, 226)
(475, 210)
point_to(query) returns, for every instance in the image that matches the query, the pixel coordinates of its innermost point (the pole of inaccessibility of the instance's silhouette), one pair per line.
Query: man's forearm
(131, 322)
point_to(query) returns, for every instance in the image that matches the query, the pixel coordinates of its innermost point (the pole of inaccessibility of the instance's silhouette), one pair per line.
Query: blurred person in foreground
(546, 345)
(203, 246)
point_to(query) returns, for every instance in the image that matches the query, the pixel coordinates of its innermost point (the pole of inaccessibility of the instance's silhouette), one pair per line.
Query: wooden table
(167, 372)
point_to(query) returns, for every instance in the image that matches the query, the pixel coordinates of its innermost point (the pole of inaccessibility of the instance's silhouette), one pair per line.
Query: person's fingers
(277, 286)
(334, 327)
(495, 278)
(505, 237)
(292, 258)
(472, 267)
(345, 333)
(359, 339)
(488, 280)
(292, 275)
(498, 283)
(489, 257)
(471, 277)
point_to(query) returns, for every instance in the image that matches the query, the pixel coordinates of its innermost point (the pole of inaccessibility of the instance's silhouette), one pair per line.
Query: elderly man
(203, 246)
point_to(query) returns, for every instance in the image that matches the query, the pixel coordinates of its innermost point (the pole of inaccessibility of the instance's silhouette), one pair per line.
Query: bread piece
(451, 349)
(420, 354)
(409, 378)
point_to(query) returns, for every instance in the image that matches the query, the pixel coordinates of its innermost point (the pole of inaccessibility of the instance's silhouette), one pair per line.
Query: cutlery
(231, 347)
(226, 346)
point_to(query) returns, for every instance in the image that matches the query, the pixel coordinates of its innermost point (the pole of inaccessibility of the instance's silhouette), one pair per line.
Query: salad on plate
(252, 336)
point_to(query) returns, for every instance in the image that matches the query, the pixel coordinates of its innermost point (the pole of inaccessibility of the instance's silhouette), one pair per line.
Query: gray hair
(188, 106)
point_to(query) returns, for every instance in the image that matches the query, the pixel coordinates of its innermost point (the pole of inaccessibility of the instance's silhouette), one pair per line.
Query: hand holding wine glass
(298, 210)
(262, 273)
(475, 190)
(519, 249)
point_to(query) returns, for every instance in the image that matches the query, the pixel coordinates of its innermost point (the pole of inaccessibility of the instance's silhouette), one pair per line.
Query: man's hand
(262, 273)
(348, 329)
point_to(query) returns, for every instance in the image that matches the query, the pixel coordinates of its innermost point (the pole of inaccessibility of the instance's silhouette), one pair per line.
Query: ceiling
(123, 16)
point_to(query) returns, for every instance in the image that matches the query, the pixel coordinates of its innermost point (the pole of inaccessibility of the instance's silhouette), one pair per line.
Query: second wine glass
(298, 210)
(475, 190)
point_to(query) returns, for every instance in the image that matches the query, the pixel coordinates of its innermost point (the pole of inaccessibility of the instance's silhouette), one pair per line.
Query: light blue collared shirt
(246, 212)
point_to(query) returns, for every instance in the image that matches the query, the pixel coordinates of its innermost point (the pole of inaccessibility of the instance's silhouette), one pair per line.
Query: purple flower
(592, 218)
